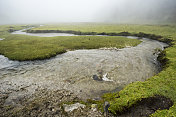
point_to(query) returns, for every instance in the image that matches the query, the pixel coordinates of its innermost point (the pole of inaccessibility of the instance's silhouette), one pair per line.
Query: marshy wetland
(79, 64)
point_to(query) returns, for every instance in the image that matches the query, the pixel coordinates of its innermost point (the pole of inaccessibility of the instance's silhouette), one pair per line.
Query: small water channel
(22, 32)
(77, 70)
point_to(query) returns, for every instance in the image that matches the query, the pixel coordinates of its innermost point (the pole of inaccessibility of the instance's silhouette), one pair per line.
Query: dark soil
(147, 106)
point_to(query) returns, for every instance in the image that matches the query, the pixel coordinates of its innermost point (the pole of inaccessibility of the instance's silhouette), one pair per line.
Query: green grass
(21, 47)
(163, 30)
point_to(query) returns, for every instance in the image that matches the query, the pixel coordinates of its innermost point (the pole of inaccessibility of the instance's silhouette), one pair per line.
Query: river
(79, 71)
(22, 32)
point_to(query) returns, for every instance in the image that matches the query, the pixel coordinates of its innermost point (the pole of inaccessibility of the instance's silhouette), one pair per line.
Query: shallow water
(6, 63)
(76, 70)
(21, 32)
(42, 34)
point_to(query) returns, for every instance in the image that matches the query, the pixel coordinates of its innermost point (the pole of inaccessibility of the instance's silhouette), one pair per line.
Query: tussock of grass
(21, 47)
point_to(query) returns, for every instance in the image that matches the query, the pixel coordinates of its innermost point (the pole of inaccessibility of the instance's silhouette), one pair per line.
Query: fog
(113, 11)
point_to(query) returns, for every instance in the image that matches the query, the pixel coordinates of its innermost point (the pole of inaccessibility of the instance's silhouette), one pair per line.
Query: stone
(94, 107)
(106, 106)
(72, 107)
(105, 78)
(95, 77)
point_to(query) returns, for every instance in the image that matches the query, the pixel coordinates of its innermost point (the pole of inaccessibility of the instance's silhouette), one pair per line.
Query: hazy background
(113, 11)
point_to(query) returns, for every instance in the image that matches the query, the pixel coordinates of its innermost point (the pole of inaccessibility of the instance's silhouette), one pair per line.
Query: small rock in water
(70, 108)
(105, 78)
(95, 77)
(106, 106)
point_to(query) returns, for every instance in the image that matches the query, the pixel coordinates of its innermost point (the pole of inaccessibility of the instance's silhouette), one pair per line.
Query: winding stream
(22, 32)
(77, 70)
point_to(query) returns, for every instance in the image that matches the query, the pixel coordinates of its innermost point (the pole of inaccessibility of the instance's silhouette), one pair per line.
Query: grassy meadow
(21, 47)
(163, 30)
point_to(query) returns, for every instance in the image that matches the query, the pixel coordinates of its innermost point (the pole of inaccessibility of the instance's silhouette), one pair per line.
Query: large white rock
(70, 108)
(105, 78)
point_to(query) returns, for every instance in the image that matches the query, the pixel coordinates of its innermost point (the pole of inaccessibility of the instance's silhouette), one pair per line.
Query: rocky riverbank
(48, 103)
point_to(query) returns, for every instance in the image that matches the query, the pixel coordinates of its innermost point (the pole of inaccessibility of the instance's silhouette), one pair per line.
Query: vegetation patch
(22, 47)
